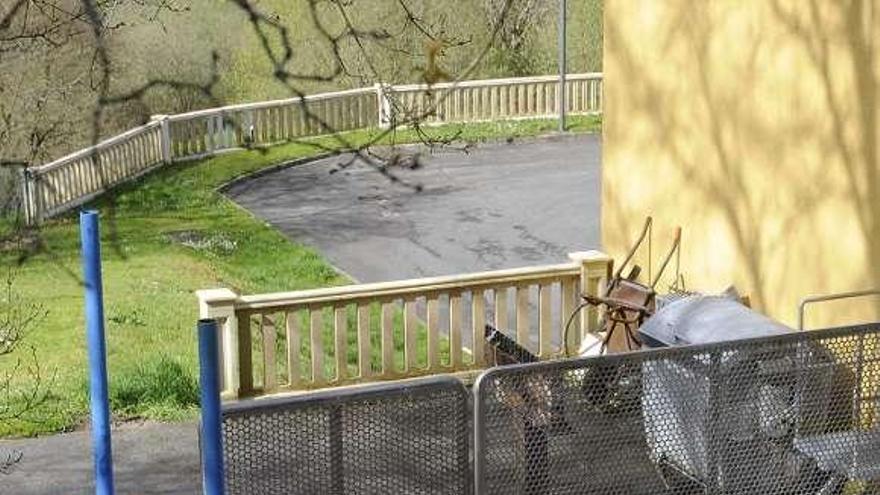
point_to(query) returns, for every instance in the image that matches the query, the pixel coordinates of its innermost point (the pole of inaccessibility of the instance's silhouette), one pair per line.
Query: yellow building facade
(752, 124)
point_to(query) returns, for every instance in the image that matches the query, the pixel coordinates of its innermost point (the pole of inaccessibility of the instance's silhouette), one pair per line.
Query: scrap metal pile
(635, 316)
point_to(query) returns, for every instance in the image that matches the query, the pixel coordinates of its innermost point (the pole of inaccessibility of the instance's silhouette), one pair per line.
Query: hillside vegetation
(202, 53)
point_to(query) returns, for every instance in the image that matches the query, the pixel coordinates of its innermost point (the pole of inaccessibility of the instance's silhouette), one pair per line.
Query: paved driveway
(498, 206)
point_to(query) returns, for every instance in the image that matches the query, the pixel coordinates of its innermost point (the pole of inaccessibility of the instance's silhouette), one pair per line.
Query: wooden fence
(70, 181)
(341, 335)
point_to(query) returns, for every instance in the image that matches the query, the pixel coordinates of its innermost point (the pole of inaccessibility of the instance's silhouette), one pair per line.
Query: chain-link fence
(393, 438)
(787, 415)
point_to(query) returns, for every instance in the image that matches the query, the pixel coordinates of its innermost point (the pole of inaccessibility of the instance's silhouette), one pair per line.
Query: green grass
(164, 237)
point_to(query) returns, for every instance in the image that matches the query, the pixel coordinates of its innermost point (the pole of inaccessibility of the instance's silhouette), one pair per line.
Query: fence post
(164, 137)
(24, 177)
(385, 116)
(211, 416)
(562, 65)
(219, 304)
(595, 270)
(99, 399)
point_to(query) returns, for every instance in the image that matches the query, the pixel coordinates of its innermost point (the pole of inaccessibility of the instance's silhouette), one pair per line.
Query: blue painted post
(90, 237)
(209, 378)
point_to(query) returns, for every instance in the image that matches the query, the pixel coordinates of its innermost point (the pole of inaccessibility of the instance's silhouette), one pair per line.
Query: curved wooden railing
(77, 178)
(335, 336)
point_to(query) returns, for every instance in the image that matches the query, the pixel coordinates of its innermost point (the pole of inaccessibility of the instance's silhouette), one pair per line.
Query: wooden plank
(245, 364)
(522, 316)
(545, 321)
(478, 322)
(340, 329)
(317, 345)
(363, 331)
(410, 337)
(568, 293)
(501, 308)
(409, 288)
(294, 361)
(433, 333)
(270, 372)
(388, 339)
(455, 331)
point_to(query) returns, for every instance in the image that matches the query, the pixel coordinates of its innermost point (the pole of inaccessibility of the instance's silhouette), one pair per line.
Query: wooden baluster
(141, 150)
(410, 337)
(294, 361)
(493, 101)
(267, 330)
(289, 122)
(184, 126)
(523, 336)
(501, 308)
(317, 344)
(568, 296)
(455, 331)
(478, 323)
(522, 107)
(440, 103)
(209, 135)
(433, 332)
(340, 329)
(298, 123)
(545, 322)
(245, 363)
(597, 95)
(388, 339)
(542, 99)
(363, 331)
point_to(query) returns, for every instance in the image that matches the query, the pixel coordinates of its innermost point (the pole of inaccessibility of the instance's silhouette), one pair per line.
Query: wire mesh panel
(409, 437)
(781, 415)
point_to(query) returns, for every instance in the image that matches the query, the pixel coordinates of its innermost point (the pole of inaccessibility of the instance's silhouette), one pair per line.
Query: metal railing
(70, 181)
(358, 333)
(408, 437)
(793, 414)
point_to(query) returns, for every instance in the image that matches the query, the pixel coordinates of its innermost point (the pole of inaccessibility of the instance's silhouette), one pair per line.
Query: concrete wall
(753, 124)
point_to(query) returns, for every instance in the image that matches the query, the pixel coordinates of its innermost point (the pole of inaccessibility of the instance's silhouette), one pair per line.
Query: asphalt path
(498, 206)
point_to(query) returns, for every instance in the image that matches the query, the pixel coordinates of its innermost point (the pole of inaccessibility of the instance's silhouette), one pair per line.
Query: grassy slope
(150, 276)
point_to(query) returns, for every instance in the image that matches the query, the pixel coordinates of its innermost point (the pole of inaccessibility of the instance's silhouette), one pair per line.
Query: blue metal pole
(209, 378)
(98, 395)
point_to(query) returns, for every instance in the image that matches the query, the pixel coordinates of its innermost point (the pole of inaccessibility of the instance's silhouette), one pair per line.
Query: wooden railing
(77, 178)
(472, 101)
(341, 335)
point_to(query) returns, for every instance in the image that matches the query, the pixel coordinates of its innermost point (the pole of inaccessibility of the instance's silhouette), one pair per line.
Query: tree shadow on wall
(718, 113)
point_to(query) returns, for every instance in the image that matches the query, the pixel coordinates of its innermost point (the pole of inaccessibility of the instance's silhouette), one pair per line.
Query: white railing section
(358, 333)
(77, 178)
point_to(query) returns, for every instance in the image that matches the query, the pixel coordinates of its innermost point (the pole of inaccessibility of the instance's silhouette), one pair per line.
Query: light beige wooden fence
(308, 339)
(77, 178)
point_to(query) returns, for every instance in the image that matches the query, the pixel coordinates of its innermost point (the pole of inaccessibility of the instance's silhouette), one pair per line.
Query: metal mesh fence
(783, 415)
(393, 438)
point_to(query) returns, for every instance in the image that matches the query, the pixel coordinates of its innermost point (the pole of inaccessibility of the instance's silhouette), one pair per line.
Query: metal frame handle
(830, 297)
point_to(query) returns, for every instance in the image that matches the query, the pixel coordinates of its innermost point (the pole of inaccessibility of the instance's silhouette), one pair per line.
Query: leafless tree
(23, 384)
(518, 22)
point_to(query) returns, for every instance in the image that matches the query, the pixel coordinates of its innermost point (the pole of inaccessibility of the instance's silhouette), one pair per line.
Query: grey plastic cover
(702, 319)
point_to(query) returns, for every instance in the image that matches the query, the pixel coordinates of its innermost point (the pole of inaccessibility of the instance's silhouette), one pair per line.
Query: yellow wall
(753, 124)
